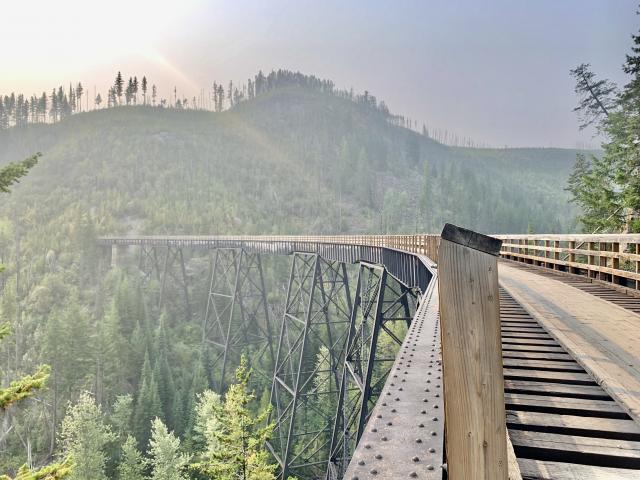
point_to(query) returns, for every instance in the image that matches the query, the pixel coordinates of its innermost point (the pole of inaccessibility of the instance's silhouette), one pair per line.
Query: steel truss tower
(310, 356)
(236, 318)
(383, 309)
(162, 263)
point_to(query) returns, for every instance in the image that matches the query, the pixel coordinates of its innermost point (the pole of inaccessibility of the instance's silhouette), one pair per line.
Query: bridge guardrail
(609, 258)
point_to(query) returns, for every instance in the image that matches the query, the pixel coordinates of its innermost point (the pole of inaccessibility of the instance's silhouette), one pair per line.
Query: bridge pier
(161, 263)
(310, 352)
(236, 315)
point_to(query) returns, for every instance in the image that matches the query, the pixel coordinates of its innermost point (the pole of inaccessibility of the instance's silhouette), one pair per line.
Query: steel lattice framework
(337, 338)
(236, 318)
(382, 312)
(310, 352)
(159, 263)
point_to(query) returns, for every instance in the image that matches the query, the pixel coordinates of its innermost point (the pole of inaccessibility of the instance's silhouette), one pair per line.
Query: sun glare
(77, 36)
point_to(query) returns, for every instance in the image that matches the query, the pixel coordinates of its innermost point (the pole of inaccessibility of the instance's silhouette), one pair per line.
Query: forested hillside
(291, 160)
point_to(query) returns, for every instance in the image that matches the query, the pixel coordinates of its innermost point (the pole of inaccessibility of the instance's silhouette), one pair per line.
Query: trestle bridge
(425, 356)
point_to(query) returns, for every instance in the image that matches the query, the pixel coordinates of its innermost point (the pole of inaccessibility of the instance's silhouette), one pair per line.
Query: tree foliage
(84, 437)
(167, 463)
(608, 188)
(234, 437)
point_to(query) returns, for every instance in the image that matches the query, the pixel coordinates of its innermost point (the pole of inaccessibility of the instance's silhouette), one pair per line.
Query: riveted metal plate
(404, 437)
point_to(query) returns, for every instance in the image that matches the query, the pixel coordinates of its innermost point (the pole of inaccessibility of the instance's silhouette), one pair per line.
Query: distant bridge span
(570, 319)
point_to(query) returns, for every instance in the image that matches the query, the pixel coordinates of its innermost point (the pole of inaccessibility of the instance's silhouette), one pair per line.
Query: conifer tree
(133, 464)
(144, 90)
(122, 411)
(162, 372)
(118, 86)
(84, 437)
(235, 447)
(148, 405)
(607, 189)
(167, 463)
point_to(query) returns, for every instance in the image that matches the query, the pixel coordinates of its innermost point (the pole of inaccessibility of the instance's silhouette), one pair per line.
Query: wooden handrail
(610, 258)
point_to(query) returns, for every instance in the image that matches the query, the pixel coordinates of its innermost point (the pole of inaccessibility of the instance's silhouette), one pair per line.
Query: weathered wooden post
(476, 441)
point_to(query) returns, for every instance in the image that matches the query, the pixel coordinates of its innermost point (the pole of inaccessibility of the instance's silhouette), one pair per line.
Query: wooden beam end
(471, 239)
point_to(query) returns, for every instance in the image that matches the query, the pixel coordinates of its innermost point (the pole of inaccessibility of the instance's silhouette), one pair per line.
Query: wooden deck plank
(574, 425)
(603, 337)
(521, 355)
(556, 389)
(544, 365)
(563, 405)
(532, 348)
(546, 470)
(572, 378)
(565, 445)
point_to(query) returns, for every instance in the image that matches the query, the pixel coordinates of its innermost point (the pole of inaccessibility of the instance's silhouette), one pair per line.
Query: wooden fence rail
(608, 258)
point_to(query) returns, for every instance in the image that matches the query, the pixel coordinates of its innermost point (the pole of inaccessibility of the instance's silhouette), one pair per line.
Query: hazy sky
(493, 70)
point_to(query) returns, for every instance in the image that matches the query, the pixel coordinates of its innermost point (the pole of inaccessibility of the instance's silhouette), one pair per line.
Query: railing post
(572, 257)
(591, 260)
(637, 251)
(615, 262)
(476, 441)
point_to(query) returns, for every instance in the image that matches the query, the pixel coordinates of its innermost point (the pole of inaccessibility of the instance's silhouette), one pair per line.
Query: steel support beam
(383, 308)
(161, 263)
(309, 358)
(236, 318)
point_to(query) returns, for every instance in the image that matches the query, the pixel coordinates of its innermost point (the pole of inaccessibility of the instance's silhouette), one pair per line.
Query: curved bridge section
(352, 362)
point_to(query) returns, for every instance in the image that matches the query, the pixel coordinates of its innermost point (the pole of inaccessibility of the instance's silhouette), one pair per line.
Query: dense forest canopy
(291, 155)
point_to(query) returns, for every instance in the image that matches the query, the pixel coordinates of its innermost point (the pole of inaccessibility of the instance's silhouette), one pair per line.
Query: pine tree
(167, 463)
(144, 90)
(122, 412)
(134, 90)
(162, 372)
(608, 188)
(79, 92)
(148, 405)
(235, 448)
(133, 464)
(199, 383)
(118, 86)
(84, 437)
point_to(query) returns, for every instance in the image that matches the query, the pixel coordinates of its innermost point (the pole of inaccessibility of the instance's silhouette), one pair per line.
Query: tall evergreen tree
(608, 188)
(84, 437)
(162, 372)
(167, 463)
(144, 90)
(235, 446)
(148, 404)
(133, 464)
(118, 85)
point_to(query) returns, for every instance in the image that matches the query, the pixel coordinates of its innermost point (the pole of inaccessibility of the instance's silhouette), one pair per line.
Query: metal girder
(310, 356)
(161, 263)
(236, 318)
(383, 309)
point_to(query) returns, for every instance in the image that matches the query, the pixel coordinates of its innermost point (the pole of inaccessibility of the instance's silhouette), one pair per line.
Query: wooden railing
(422, 244)
(608, 258)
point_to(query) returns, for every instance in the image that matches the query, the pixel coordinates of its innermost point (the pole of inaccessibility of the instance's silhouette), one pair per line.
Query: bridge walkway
(572, 375)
